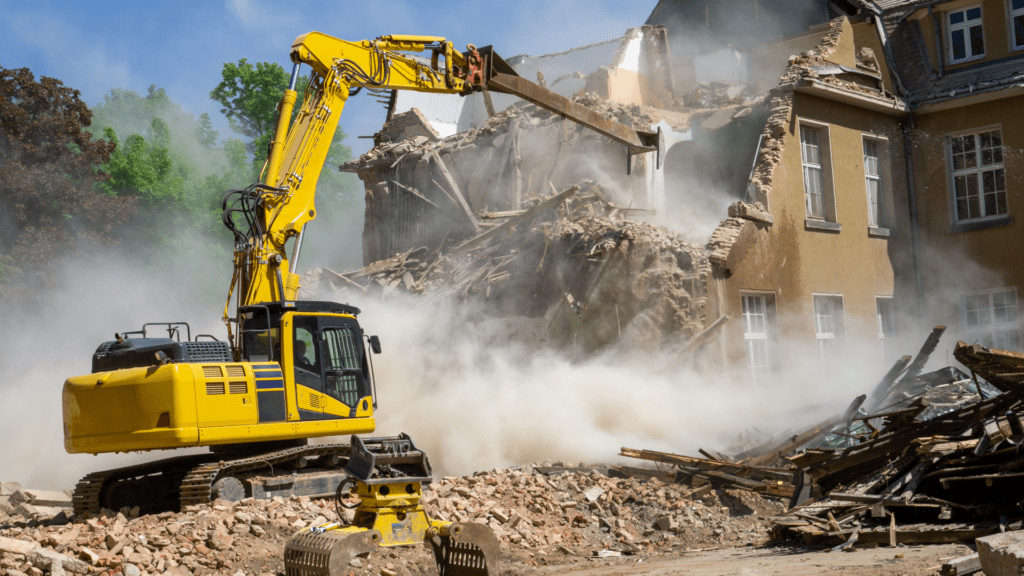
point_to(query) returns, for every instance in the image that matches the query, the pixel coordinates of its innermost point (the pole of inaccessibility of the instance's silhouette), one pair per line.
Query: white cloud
(255, 16)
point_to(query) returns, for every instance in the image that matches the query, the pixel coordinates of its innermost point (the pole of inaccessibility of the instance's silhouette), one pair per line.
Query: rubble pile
(561, 259)
(936, 467)
(925, 458)
(719, 94)
(540, 519)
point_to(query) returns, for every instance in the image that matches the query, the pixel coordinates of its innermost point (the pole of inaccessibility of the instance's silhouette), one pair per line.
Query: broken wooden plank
(727, 467)
(1001, 368)
(937, 535)
(875, 498)
(701, 338)
(416, 193)
(881, 389)
(970, 564)
(735, 481)
(512, 222)
(500, 215)
(456, 191)
(806, 437)
(930, 343)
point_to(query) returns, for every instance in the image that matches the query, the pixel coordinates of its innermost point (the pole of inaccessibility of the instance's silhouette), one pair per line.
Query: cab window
(304, 349)
(343, 365)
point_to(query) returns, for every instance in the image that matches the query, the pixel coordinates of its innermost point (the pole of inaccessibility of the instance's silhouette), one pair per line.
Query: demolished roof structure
(427, 193)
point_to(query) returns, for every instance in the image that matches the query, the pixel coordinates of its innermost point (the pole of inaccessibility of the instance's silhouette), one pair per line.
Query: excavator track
(190, 480)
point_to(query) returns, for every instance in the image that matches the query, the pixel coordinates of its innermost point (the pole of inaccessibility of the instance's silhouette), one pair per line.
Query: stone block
(12, 546)
(43, 558)
(37, 512)
(666, 523)
(1002, 554)
(46, 498)
(8, 488)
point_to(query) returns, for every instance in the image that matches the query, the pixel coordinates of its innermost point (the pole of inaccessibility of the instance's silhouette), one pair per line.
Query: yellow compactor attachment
(387, 476)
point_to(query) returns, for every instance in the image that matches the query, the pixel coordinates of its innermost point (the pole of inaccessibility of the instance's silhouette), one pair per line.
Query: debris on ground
(925, 458)
(541, 518)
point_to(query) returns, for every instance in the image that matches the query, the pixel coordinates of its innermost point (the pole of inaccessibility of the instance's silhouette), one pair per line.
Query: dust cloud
(44, 345)
(474, 398)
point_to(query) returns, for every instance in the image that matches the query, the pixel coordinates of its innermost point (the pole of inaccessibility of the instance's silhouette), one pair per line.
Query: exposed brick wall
(405, 126)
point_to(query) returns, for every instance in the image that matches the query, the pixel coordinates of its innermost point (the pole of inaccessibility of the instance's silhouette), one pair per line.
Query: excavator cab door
(307, 367)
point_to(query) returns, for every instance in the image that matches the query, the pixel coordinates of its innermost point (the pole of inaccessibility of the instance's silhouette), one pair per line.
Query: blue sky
(182, 46)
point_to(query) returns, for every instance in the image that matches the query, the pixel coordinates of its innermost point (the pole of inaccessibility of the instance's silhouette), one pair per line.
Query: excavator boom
(292, 370)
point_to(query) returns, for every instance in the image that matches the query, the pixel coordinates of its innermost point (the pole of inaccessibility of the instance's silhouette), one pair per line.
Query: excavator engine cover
(327, 553)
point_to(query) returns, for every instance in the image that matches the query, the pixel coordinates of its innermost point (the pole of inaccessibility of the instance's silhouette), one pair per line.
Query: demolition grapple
(387, 475)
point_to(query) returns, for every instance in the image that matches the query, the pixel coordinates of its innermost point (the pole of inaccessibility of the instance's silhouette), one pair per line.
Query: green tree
(205, 133)
(143, 169)
(51, 204)
(250, 95)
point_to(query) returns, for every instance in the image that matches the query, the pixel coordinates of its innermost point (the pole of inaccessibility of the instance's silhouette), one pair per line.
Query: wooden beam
(512, 222)
(416, 193)
(461, 199)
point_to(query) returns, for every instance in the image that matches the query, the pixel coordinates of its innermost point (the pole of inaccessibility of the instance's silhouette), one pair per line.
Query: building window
(886, 315)
(814, 181)
(829, 324)
(1017, 21)
(966, 38)
(873, 182)
(992, 320)
(979, 179)
(758, 327)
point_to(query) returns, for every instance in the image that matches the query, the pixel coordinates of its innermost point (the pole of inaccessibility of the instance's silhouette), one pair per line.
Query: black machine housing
(141, 352)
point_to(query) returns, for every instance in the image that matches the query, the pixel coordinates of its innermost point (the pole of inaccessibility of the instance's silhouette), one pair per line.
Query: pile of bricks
(539, 519)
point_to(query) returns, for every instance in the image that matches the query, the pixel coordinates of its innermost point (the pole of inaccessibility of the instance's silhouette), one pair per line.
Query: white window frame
(885, 331)
(977, 174)
(824, 168)
(987, 333)
(1012, 14)
(876, 208)
(759, 365)
(811, 167)
(965, 26)
(829, 341)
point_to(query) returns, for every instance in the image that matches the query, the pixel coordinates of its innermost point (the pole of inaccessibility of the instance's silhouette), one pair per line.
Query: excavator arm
(277, 209)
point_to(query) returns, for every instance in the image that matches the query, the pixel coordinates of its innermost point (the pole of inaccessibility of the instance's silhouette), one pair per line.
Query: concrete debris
(551, 262)
(719, 94)
(970, 564)
(539, 519)
(41, 498)
(1002, 554)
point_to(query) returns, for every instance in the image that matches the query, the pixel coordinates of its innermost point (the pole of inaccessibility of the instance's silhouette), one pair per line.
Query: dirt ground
(781, 559)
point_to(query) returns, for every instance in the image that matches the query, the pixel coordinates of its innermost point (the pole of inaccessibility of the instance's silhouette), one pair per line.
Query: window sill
(967, 60)
(878, 232)
(972, 225)
(825, 225)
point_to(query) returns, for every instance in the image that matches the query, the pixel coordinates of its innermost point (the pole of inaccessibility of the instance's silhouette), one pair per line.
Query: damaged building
(827, 168)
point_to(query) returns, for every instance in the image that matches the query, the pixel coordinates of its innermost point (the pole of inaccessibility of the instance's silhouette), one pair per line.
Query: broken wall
(780, 251)
(414, 200)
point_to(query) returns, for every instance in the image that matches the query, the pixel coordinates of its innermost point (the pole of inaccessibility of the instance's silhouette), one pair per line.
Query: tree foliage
(51, 200)
(142, 169)
(250, 95)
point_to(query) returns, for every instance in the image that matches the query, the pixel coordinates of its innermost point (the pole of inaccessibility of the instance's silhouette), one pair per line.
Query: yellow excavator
(290, 370)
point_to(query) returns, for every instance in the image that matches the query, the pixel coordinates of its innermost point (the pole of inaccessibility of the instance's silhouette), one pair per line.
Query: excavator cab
(316, 364)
